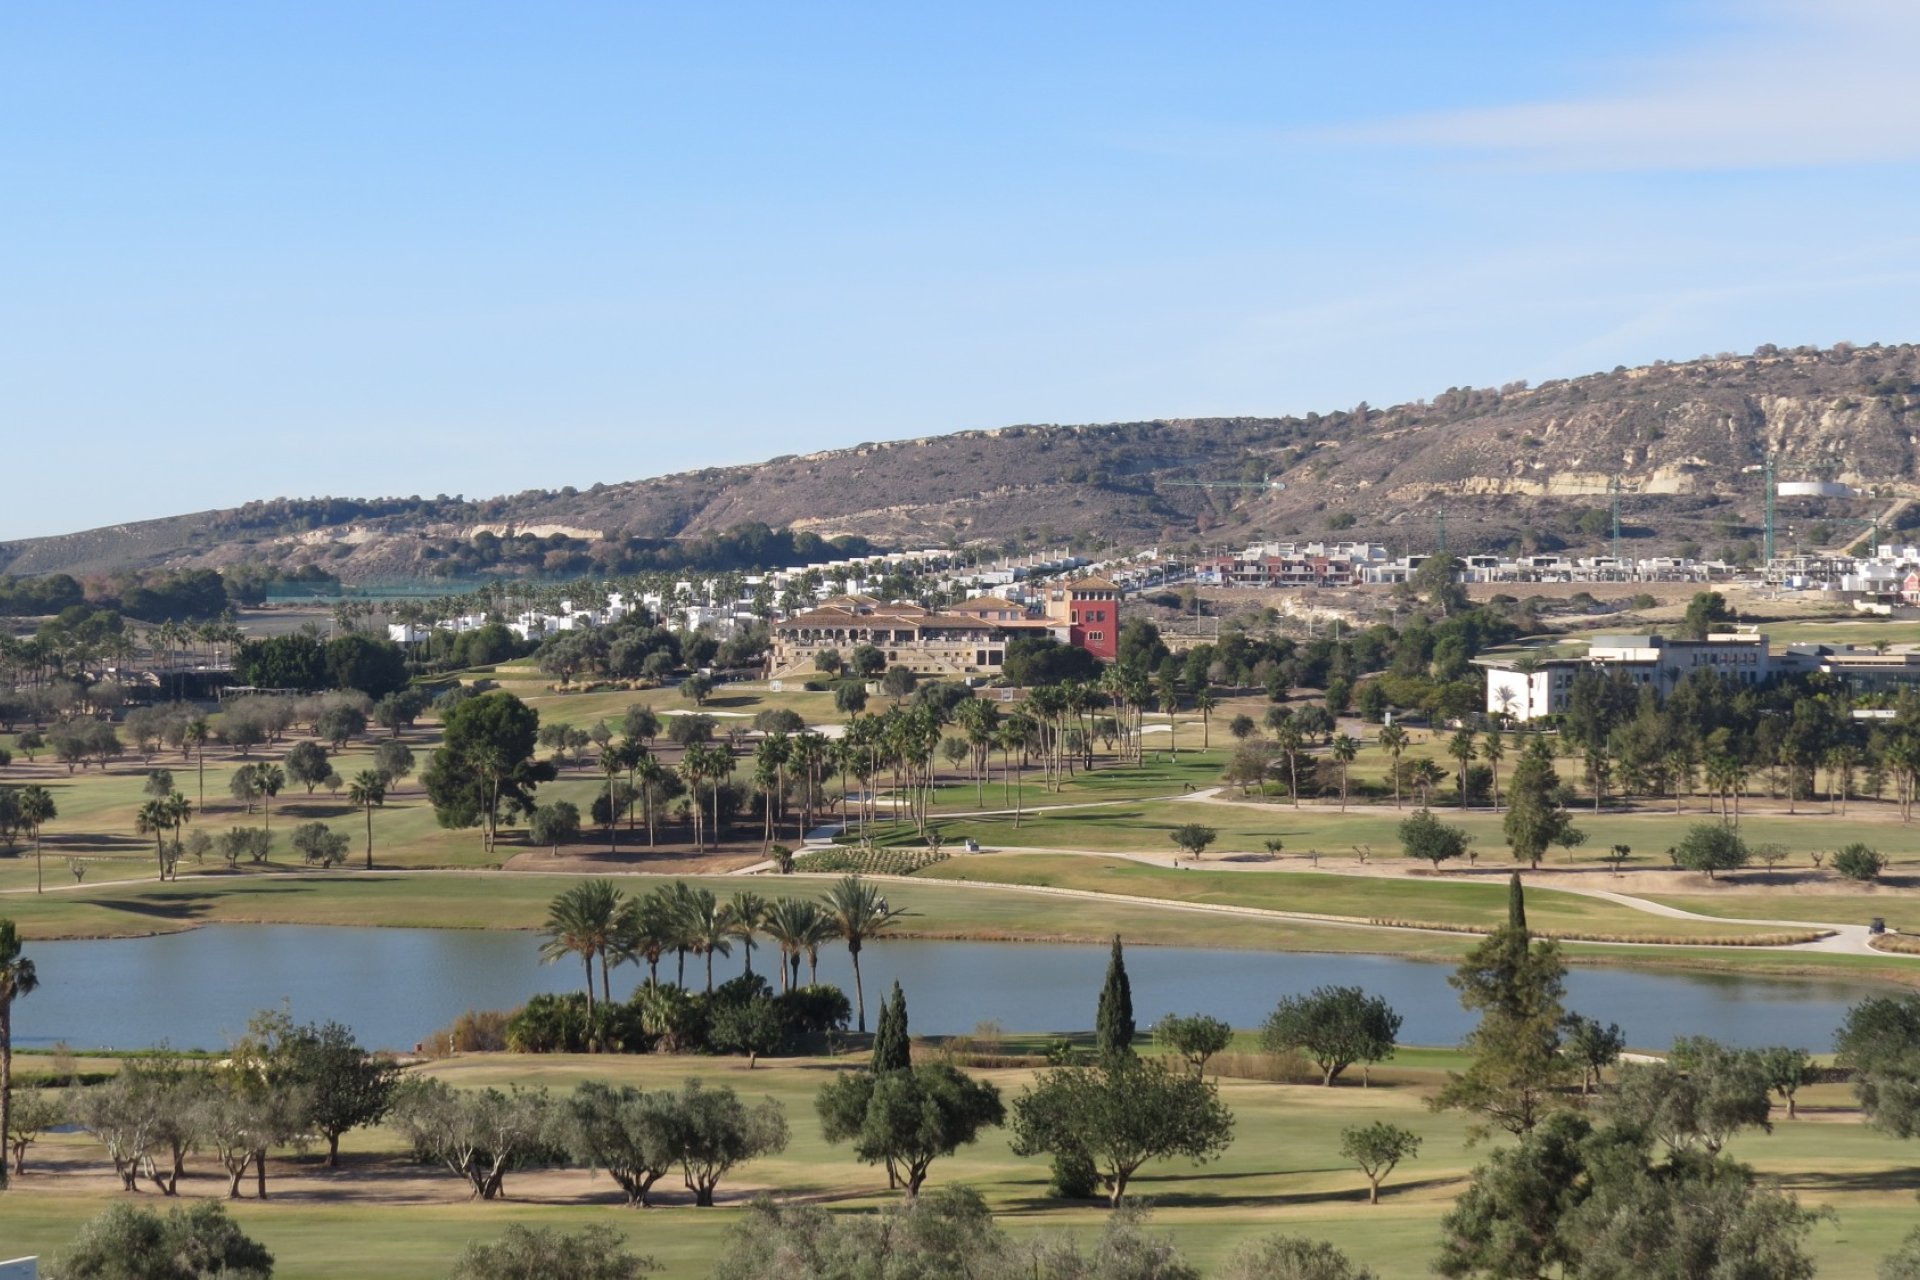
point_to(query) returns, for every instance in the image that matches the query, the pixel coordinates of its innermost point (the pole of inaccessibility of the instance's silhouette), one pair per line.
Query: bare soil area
(665, 860)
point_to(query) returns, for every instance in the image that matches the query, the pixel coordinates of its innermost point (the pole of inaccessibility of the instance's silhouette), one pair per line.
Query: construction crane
(1613, 496)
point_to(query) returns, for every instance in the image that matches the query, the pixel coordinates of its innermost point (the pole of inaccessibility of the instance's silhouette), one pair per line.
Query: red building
(1091, 609)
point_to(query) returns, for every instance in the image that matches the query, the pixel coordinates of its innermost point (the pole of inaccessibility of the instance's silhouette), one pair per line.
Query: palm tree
(194, 736)
(582, 921)
(820, 930)
(1493, 748)
(368, 790)
(612, 763)
(652, 931)
(1290, 741)
(36, 810)
(791, 923)
(179, 812)
(152, 820)
(693, 771)
(1344, 749)
(17, 979)
(747, 914)
(1426, 774)
(859, 915)
(648, 774)
(267, 780)
(1204, 702)
(710, 926)
(1461, 748)
(1393, 741)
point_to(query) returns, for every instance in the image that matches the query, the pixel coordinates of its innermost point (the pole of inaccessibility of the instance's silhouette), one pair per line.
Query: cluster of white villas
(697, 604)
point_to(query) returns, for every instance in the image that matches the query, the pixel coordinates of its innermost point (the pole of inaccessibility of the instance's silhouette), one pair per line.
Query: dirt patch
(663, 861)
(77, 1167)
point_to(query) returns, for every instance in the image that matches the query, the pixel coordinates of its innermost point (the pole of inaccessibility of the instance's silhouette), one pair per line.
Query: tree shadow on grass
(1355, 1194)
(1903, 1179)
(172, 906)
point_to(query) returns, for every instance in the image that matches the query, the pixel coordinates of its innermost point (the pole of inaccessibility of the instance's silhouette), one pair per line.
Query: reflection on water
(393, 986)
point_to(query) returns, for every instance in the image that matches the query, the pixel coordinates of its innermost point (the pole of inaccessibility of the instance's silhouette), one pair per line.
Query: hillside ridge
(1512, 465)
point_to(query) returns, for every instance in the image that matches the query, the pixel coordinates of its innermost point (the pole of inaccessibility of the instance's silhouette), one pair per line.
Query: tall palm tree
(791, 922)
(17, 979)
(1204, 702)
(36, 811)
(648, 775)
(152, 820)
(1493, 748)
(194, 737)
(1344, 749)
(1291, 743)
(367, 791)
(747, 914)
(179, 812)
(693, 771)
(1461, 748)
(613, 763)
(1393, 741)
(653, 931)
(859, 915)
(582, 921)
(1425, 775)
(267, 780)
(710, 927)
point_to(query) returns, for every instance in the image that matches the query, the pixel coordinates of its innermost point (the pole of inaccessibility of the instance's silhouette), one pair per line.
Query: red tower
(1091, 609)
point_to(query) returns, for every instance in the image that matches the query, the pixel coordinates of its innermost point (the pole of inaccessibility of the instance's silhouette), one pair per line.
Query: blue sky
(255, 250)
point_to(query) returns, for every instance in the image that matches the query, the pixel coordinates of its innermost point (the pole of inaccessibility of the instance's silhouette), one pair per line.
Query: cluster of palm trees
(605, 928)
(163, 818)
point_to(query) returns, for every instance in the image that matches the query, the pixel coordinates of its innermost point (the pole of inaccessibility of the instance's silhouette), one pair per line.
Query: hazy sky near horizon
(259, 250)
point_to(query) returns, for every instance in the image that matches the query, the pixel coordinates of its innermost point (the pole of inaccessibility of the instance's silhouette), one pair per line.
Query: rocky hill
(1514, 466)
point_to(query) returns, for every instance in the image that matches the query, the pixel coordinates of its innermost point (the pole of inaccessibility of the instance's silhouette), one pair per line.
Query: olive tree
(719, 1132)
(1196, 1037)
(1377, 1149)
(1334, 1027)
(189, 1242)
(546, 1253)
(633, 1136)
(908, 1119)
(480, 1135)
(1118, 1115)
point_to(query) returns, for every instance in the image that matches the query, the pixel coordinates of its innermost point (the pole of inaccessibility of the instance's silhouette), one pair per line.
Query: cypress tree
(1113, 1021)
(892, 1050)
(1516, 905)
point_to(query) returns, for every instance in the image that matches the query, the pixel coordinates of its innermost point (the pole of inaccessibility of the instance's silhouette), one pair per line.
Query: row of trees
(601, 926)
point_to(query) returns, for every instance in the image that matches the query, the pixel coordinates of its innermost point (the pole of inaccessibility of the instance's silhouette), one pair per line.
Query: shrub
(1711, 847)
(815, 1010)
(1857, 862)
(475, 1031)
(870, 862)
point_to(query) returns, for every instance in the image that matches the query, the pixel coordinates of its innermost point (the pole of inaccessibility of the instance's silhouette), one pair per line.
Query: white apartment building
(1521, 689)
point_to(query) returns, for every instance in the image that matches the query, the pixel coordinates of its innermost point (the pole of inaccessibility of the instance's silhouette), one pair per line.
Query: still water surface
(394, 986)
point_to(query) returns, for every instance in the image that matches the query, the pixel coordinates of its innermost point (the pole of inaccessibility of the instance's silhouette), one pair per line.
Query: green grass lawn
(1282, 1174)
(1145, 826)
(1325, 894)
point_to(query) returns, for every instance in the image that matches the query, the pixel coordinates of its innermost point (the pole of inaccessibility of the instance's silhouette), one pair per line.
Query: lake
(194, 990)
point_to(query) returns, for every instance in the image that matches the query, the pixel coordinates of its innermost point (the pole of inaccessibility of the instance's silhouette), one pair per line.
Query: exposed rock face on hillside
(1512, 466)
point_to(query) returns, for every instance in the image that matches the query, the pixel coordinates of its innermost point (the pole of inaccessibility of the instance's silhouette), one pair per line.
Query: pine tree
(1113, 1022)
(892, 1050)
(1516, 985)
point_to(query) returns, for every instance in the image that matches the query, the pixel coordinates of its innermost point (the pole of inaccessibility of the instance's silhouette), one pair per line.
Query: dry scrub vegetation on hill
(1515, 465)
